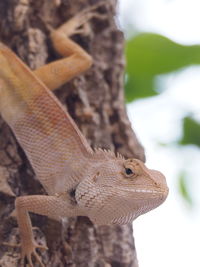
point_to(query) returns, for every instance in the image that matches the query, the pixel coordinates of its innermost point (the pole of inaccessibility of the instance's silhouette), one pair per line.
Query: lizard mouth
(152, 192)
(143, 191)
(138, 190)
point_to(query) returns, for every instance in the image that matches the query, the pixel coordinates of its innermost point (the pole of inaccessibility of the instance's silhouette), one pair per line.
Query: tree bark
(95, 101)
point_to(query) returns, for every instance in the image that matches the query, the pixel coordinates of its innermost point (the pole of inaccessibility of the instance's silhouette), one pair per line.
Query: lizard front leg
(51, 206)
(76, 60)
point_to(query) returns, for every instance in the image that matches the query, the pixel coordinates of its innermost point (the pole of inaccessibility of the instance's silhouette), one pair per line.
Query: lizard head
(120, 190)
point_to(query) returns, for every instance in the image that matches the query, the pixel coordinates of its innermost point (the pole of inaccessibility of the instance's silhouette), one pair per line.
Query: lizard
(79, 181)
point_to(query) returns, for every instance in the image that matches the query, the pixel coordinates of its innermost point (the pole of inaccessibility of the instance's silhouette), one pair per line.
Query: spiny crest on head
(119, 156)
(107, 152)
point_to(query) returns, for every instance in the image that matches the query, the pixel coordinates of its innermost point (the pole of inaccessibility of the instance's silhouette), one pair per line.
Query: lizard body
(79, 181)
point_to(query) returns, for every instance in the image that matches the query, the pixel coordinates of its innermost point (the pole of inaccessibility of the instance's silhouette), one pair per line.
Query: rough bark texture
(95, 101)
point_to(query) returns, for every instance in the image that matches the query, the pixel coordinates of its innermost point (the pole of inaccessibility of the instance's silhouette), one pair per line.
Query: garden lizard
(79, 181)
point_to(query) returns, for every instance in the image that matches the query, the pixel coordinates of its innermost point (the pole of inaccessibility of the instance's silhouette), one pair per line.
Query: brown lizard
(79, 181)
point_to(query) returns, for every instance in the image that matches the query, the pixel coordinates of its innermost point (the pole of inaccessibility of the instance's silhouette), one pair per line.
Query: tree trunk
(95, 101)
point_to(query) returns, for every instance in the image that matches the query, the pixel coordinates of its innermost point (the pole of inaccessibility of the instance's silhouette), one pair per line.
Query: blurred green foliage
(190, 136)
(191, 132)
(183, 188)
(149, 55)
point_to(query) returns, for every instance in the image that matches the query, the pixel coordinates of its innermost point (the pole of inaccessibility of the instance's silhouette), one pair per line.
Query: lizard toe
(29, 251)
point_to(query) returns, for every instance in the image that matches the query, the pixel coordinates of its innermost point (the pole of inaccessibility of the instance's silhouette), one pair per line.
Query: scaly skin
(79, 181)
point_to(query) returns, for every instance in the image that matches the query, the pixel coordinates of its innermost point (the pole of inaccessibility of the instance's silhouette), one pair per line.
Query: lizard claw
(11, 245)
(29, 250)
(76, 24)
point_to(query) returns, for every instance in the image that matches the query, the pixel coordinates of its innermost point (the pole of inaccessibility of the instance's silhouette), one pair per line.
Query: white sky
(169, 235)
(177, 19)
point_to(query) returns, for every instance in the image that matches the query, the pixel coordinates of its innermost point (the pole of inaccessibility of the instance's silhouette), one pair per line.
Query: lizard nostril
(157, 183)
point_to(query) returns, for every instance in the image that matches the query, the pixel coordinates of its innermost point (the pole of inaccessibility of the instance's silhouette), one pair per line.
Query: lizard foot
(76, 24)
(27, 251)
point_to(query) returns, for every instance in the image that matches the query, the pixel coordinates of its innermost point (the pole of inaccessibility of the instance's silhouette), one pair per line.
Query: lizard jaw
(140, 190)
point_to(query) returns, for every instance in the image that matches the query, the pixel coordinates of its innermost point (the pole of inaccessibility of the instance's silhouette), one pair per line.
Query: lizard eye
(129, 172)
